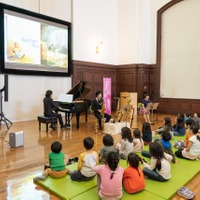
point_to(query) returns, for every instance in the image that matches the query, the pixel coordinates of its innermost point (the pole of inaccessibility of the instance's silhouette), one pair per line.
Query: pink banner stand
(107, 94)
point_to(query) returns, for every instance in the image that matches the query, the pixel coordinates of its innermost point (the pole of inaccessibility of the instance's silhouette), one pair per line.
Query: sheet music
(65, 98)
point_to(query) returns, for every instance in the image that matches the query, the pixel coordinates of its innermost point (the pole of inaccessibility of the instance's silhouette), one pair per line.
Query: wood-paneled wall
(140, 78)
(176, 106)
(125, 78)
(93, 74)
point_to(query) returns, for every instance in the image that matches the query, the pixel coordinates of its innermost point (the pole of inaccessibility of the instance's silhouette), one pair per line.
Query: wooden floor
(18, 166)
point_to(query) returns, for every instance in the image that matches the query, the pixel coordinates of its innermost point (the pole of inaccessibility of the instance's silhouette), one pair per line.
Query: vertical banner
(107, 94)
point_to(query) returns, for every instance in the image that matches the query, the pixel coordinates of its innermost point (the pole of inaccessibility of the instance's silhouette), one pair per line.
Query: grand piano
(79, 104)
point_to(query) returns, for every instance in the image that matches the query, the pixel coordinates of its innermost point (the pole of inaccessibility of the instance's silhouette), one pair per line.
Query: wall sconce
(99, 47)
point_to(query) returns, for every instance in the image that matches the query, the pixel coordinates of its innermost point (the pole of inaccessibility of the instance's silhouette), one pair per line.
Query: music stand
(149, 106)
(154, 107)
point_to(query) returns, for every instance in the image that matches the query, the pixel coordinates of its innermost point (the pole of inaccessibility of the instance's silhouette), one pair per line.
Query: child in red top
(133, 176)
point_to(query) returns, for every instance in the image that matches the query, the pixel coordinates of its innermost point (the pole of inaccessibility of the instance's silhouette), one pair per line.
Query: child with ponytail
(133, 175)
(109, 178)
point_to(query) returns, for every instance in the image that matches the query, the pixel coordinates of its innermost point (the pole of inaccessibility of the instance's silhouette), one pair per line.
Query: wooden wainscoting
(93, 74)
(175, 106)
(140, 78)
(127, 78)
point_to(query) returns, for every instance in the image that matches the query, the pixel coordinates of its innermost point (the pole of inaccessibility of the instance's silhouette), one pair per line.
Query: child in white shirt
(126, 145)
(192, 151)
(159, 168)
(138, 143)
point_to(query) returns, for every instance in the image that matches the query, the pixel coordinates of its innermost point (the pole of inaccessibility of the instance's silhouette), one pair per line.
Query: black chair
(47, 121)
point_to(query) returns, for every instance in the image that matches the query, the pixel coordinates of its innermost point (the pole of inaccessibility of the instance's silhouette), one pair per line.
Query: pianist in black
(50, 108)
(97, 106)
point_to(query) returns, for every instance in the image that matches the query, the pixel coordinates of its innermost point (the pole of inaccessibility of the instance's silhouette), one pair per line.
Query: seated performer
(97, 106)
(144, 110)
(49, 107)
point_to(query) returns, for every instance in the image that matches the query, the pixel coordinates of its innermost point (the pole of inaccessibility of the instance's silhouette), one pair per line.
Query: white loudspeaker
(16, 139)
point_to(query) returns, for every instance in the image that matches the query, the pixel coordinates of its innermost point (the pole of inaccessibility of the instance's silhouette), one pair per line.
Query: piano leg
(86, 111)
(77, 120)
(86, 115)
(67, 119)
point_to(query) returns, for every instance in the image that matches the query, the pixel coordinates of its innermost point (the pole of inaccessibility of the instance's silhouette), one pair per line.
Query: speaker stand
(2, 116)
(5, 120)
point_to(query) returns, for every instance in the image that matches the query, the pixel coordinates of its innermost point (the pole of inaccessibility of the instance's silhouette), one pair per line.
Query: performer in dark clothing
(97, 106)
(50, 107)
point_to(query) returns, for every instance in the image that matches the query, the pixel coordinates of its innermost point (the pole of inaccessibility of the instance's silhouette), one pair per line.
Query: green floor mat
(65, 188)
(182, 172)
(166, 189)
(92, 194)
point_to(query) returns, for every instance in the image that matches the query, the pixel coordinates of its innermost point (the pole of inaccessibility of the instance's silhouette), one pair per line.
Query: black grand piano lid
(79, 90)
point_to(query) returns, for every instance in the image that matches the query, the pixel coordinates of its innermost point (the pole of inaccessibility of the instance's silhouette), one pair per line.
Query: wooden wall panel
(126, 78)
(93, 74)
(138, 78)
(184, 106)
(195, 107)
(175, 106)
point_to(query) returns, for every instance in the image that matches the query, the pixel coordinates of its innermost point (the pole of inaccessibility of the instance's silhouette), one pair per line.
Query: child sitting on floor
(189, 123)
(186, 116)
(57, 167)
(146, 133)
(133, 176)
(126, 145)
(167, 126)
(109, 178)
(183, 144)
(196, 119)
(192, 151)
(138, 143)
(86, 161)
(180, 115)
(108, 142)
(179, 129)
(166, 145)
(159, 168)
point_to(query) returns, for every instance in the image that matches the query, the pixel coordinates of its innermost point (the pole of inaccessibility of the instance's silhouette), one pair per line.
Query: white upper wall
(127, 29)
(180, 51)
(32, 5)
(60, 9)
(127, 34)
(151, 30)
(137, 30)
(94, 21)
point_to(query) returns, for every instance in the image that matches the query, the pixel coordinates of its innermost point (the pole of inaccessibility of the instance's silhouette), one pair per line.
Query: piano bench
(46, 120)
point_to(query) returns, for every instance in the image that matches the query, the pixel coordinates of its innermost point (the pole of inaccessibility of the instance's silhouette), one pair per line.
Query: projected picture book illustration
(22, 43)
(34, 42)
(53, 46)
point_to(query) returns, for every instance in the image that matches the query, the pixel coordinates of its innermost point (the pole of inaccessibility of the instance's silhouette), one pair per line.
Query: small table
(115, 128)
